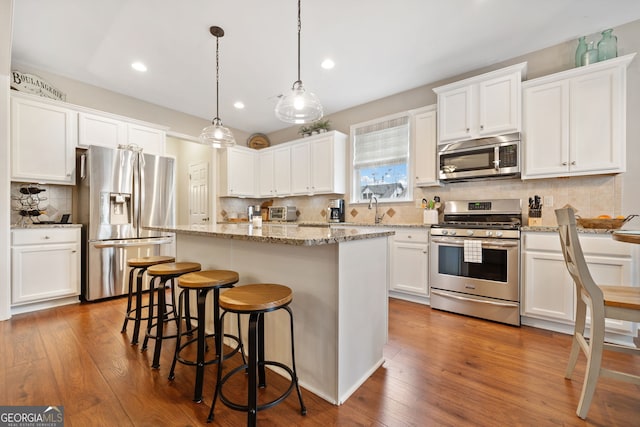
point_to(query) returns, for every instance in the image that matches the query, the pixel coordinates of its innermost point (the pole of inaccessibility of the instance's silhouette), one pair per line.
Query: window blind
(382, 143)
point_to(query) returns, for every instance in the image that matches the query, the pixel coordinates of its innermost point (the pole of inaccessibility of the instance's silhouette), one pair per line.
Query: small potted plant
(304, 131)
(321, 126)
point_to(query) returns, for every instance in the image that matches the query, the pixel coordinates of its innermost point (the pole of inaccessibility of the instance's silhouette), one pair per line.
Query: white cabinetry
(409, 260)
(481, 106)
(100, 130)
(425, 146)
(43, 140)
(111, 132)
(237, 166)
(318, 164)
(574, 121)
(275, 171)
(547, 288)
(45, 264)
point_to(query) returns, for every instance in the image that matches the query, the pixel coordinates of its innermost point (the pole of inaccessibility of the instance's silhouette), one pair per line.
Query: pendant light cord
(217, 119)
(299, 28)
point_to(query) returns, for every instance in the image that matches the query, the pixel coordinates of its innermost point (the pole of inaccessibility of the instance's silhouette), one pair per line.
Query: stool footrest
(266, 405)
(193, 340)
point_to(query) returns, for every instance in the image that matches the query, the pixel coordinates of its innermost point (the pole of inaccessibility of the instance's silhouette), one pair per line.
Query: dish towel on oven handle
(473, 251)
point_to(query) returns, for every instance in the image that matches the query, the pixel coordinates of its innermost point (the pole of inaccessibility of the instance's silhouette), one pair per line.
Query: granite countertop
(290, 234)
(18, 227)
(361, 224)
(554, 229)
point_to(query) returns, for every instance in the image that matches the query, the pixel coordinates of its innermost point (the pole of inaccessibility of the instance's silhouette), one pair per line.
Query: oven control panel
(476, 233)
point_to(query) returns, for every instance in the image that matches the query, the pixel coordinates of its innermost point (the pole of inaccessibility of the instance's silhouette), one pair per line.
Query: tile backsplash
(590, 195)
(55, 201)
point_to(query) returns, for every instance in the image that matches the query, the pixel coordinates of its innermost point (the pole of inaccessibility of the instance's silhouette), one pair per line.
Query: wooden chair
(613, 302)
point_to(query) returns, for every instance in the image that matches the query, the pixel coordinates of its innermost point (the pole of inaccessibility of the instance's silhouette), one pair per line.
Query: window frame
(354, 182)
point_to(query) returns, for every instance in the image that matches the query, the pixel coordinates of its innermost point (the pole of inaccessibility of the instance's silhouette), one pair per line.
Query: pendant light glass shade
(299, 105)
(216, 135)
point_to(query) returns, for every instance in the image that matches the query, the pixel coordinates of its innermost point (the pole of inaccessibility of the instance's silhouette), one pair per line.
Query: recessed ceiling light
(239, 105)
(139, 66)
(328, 64)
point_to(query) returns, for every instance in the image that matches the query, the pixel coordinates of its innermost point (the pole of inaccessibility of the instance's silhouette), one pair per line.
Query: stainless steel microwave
(485, 158)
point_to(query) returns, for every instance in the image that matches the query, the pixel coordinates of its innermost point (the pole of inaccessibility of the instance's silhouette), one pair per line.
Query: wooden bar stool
(139, 265)
(256, 300)
(163, 272)
(202, 282)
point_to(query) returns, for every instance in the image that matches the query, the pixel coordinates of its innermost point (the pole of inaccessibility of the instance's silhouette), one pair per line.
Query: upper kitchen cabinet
(111, 131)
(480, 106)
(43, 140)
(275, 171)
(237, 166)
(424, 146)
(318, 164)
(575, 121)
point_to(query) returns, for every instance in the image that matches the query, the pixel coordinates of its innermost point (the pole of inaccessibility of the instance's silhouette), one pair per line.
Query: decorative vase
(582, 48)
(607, 46)
(591, 55)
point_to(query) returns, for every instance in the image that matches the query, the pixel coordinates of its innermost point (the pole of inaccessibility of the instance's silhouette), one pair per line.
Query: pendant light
(299, 105)
(217, 135)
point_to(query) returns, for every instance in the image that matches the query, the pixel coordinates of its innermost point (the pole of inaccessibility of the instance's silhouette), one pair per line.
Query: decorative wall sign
(33, 84)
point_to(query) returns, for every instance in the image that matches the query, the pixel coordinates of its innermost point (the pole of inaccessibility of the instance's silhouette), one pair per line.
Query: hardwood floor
(441, 369)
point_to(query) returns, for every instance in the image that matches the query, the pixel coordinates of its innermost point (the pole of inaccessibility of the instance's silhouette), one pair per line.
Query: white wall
(6, 14)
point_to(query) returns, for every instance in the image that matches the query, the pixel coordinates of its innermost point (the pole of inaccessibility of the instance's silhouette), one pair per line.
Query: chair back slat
(574, 257)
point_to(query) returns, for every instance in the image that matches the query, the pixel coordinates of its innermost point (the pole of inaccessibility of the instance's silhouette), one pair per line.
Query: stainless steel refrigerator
(120, 191)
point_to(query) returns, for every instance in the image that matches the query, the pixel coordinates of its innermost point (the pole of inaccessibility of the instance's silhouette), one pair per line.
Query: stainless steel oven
(475, 260)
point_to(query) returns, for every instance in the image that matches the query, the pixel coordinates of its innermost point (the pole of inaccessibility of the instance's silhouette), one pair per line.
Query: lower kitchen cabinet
(548, 292)
(45, 264)
(409, 261)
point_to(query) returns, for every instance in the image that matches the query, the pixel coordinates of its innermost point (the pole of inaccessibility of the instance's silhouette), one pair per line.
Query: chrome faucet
(372, 200)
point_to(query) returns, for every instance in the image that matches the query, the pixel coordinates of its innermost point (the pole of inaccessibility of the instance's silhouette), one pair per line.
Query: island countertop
(290, 234)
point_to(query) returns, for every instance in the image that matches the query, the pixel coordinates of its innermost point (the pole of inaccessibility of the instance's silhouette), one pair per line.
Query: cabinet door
(300, 168)
(266, 171)
(152, 141)
(241, 173)
(322, 170)
(499, 100)
(43, 141)
(282, 171)
(44, 272)
(409, 268)
(596, 141)
(99, 130)
(454, 114)
(546, 130)
(425, 149)
(549, 291)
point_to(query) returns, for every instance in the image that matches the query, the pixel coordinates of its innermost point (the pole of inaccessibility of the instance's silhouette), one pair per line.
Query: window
(380, 160)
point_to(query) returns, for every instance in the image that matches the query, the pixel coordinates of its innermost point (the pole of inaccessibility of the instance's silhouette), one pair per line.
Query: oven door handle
(488, 244)
(482, 301)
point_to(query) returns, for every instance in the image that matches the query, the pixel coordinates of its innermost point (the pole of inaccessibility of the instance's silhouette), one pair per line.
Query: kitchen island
(339, 278)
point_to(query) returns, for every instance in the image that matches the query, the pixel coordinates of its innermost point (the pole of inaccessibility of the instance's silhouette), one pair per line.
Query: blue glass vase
(607, 46)
(582, 48)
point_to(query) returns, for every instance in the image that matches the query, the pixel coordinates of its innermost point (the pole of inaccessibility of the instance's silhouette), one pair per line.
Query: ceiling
(380, 47)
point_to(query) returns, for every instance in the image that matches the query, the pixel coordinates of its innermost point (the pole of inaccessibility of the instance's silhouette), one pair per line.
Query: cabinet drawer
(417, 236)
(44, 236)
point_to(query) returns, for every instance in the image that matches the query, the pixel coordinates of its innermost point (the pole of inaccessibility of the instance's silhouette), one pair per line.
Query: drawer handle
(46, 237)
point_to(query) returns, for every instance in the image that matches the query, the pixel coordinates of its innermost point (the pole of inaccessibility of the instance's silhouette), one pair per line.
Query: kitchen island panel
(339, 303)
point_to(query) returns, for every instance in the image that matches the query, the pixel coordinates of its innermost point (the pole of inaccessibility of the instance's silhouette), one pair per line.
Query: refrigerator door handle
(83, 166)
(128, 244)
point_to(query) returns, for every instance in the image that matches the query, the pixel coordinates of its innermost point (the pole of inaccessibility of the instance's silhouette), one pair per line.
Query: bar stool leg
(151, 310)
(201, 343)
(181, 298)
(136, 324)
(254, 319)
(162, 314)
(126, 317)
(303, 409)
(218, 344)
